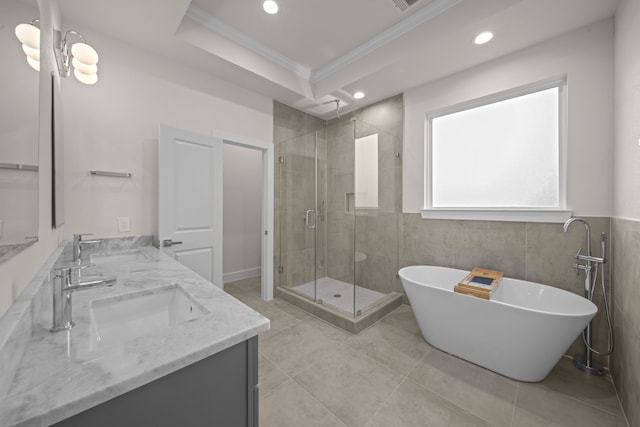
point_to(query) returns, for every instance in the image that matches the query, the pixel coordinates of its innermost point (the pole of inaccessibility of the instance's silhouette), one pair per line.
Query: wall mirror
(57, 149)
(19, 125)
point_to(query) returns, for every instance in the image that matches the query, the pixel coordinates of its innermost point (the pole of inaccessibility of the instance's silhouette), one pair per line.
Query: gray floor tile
(291, 406)
(314, 374)
(290, 309)
(477, 390)
(349, 384)
(251, 285)
(298, 347)
(413, 405)
(393, 341)
(593, 390)
(269, 376)
(539, 406)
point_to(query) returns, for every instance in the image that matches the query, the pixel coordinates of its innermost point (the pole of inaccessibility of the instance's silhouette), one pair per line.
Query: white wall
(16, 273)
(113, 126)
(627, 108)
(242, 200)
(586, 57)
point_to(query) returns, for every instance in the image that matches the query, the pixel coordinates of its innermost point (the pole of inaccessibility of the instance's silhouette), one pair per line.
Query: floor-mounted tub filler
(521, 332)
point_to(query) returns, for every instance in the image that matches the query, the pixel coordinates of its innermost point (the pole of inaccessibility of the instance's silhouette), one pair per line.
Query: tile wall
(626, 315)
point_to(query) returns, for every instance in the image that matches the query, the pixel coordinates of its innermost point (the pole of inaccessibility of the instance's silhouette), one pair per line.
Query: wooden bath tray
(479, 282)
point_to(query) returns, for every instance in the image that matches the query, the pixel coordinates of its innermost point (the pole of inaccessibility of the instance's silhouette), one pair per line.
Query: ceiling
(315, 51)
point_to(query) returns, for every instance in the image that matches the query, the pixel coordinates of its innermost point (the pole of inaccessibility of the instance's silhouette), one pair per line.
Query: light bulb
(358, 95)
(31, 53)
(33, 63)
(84, 53)
(270, 6)
(84, 68)
(28, 34)
(87, 79)
(483, 38)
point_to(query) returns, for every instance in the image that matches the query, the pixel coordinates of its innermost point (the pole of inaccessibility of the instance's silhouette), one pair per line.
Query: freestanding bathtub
(521, 332)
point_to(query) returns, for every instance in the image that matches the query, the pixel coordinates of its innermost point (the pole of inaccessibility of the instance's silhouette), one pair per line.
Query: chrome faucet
(586, 362)
(588, 257)
(63, 287)
(77, 246)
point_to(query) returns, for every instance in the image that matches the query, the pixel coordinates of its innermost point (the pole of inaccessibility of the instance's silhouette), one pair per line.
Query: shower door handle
(307, 215)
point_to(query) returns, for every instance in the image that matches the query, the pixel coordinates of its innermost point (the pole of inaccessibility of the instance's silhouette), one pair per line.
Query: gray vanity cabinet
(221, 390)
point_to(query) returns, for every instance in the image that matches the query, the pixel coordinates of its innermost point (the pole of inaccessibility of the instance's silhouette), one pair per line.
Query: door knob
(167, 243)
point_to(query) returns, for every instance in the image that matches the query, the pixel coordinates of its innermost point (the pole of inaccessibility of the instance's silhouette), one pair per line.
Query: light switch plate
(123, 224)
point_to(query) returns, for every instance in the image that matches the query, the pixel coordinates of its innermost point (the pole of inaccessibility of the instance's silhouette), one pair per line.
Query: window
(500, 153)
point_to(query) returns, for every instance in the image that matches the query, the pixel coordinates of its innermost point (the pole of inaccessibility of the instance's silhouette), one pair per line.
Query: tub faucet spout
(587, 229)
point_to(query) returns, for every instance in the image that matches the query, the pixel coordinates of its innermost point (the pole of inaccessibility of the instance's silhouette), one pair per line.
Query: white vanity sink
(117, 257)
(135, 314)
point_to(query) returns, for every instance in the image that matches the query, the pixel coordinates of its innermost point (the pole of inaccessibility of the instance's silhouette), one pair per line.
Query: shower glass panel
(378, 175)
(337, 286)
(298, 218)
(339, 204)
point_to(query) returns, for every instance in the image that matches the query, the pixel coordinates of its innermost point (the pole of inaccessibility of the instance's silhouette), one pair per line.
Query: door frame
(267, 149)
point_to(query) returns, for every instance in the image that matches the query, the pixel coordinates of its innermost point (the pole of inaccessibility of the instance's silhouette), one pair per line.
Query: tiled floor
(314, 374)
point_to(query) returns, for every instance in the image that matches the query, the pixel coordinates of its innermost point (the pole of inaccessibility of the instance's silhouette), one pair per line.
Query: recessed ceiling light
(358, 95)
(483, 38)
(270, 6)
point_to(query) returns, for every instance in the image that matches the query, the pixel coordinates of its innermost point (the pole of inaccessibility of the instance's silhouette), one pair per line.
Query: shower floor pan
(334, 303)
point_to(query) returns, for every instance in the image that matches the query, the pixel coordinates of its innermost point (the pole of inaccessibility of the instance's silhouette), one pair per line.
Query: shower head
(337, 101)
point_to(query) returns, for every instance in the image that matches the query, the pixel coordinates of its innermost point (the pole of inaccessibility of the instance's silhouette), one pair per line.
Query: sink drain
(337, 295)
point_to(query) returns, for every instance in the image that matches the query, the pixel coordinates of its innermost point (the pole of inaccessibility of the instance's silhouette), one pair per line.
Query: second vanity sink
(117, 257)
(135, 314)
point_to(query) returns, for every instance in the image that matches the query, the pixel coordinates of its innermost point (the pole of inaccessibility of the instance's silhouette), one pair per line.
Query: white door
(190, 200)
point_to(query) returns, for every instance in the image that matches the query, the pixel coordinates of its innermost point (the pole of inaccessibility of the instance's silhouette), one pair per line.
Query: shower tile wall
(626, 315)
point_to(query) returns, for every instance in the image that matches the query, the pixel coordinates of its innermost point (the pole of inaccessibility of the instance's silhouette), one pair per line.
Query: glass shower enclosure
(339, 202)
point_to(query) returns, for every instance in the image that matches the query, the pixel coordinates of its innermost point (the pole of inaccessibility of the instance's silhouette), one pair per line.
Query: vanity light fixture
(29, 36)
(358, 95)
(270, 6)
(80, 55)
(483, 37)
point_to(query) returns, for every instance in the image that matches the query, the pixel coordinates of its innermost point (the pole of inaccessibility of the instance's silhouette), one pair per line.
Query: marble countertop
(64, 373)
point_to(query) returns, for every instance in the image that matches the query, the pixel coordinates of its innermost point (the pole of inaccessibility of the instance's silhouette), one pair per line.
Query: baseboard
(242, 274)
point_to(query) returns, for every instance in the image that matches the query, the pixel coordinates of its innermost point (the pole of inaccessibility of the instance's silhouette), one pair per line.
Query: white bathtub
(520, 333)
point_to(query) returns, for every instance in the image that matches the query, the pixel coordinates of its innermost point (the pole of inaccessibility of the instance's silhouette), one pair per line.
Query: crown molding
(402, 27)
(408, 24)
(204, 18)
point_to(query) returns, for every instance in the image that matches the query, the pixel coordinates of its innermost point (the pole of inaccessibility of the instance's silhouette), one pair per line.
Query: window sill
(513, 215)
